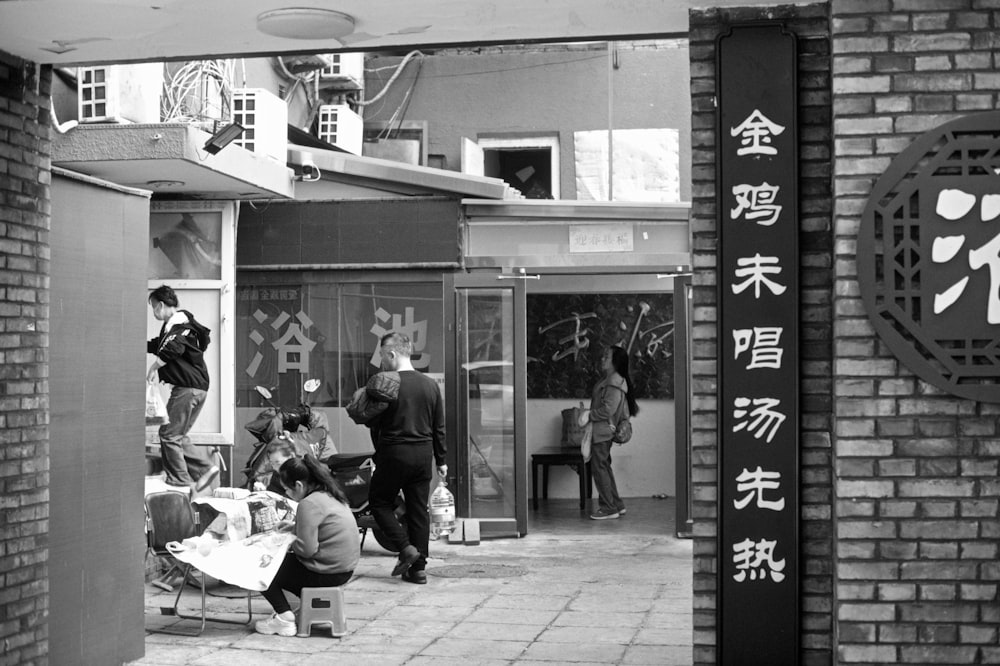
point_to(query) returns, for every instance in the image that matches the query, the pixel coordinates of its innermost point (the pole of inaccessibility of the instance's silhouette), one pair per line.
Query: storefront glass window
(330, 331)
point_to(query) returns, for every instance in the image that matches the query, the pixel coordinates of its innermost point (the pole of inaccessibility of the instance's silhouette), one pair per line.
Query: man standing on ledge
(410, 439)
(179, 361)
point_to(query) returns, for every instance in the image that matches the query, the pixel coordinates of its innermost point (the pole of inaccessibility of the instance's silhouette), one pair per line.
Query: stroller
(353, 471)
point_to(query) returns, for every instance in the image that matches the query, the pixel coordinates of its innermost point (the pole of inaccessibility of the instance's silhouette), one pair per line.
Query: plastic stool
(322, 605)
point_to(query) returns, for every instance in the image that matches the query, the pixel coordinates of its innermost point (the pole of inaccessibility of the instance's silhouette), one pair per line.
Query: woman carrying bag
(611, 403)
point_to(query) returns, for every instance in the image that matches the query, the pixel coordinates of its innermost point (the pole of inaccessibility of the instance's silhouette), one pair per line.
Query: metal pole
(611, 141)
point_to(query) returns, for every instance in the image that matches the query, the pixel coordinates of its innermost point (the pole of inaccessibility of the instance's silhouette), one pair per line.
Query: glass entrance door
(486, 400)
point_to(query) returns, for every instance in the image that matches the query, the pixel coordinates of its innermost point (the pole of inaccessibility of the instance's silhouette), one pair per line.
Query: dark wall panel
(349, 232)
(97, 353)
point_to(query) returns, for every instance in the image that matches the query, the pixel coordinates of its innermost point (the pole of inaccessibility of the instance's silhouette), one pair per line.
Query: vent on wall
(264, 116)
(340, 126)
(120, 93)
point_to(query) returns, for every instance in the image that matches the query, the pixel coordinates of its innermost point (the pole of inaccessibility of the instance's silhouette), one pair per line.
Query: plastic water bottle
(442, 511)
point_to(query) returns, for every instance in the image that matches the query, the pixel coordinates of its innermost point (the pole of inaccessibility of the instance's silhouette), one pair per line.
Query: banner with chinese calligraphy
(568, 332)
(757, 152)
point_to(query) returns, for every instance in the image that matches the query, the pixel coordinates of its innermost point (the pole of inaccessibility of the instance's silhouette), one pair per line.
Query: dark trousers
(183, 462)
(293, 576)
(604, 477)
(406, 467)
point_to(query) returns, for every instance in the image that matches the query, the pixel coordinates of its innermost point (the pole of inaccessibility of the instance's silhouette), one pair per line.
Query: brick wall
(24, 409)
(917, 490)
(810, 24)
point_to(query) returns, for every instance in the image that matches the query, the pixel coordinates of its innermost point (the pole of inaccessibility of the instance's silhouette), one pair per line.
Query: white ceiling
(68, 32)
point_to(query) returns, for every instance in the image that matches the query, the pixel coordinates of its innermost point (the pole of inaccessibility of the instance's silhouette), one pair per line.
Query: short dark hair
(397, 342)
(164, 294)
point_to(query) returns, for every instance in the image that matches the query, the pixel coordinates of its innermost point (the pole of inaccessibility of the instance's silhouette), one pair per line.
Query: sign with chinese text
(929, 257)
(757, 153)
(600, 238)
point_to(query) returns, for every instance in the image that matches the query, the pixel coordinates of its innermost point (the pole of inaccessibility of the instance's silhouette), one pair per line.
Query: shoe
(275, 625)
(621, 511)
(407, 557)
(415, 576)
(604, 515)
(207, 479)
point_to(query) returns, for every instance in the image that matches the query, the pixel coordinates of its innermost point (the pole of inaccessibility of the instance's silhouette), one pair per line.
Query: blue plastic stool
(322, 605)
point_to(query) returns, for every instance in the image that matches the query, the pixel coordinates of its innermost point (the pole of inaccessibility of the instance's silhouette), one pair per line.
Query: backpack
(202, 333)
(623, 431)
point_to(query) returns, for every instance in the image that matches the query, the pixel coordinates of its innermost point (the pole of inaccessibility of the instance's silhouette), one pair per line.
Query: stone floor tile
(496, 631)
(617, 635)
(570, 653)
(472, 648)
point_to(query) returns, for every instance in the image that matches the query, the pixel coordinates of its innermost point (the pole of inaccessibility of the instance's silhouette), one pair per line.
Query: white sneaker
(275, 625)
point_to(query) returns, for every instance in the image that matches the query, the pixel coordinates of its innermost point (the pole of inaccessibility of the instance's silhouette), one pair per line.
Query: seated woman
(326, 548)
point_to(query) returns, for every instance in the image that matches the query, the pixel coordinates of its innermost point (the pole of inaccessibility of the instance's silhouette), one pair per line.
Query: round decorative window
(929, 257)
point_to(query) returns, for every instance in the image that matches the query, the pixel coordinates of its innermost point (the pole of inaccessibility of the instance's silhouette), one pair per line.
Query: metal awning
(169, 159)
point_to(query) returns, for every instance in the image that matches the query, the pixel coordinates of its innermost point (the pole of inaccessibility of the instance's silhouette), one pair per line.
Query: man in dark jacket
(410, 439)
(178, 350)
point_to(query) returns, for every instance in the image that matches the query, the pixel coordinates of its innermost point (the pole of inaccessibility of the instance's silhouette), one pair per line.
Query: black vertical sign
(757, 151)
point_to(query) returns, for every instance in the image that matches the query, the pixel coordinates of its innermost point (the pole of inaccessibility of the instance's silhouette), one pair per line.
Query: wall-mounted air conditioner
(264, 117)
(341, 126)
(120, 93)
(346, 71)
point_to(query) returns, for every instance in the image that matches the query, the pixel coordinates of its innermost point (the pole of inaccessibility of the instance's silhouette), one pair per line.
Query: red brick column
(816, 277)
(917, 494)
(24, 314)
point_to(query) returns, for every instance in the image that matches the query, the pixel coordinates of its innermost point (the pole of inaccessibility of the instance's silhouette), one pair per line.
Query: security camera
(310, 172)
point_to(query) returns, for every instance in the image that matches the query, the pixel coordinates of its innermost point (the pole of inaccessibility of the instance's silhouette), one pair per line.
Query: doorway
(523, 348)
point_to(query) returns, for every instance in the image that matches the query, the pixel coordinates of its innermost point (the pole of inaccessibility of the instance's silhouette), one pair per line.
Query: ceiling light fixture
(305, 23)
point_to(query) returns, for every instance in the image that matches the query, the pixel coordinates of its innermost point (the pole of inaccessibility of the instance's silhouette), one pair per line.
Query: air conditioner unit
(346, 71)
(264, 117)
(120, 93)
(341, 126)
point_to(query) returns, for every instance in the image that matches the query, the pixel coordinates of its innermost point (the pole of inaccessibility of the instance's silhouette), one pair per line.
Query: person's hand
(151, 375)
(443, 471)
(258, 486)
(285, 435)
(286, 526)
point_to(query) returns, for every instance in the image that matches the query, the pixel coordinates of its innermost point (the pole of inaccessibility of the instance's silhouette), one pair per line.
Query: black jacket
(181, 353)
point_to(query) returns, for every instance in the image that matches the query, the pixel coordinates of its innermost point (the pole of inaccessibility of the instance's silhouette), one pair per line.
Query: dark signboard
(929, 257)
(757, 152)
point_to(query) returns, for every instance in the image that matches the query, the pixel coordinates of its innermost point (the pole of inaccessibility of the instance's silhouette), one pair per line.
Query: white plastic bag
(156, 409)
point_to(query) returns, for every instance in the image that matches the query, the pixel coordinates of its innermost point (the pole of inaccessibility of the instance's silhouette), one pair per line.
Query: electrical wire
(399, 70)
(198, 91)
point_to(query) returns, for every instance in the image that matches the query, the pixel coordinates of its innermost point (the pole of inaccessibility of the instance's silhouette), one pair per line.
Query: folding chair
(170, 517)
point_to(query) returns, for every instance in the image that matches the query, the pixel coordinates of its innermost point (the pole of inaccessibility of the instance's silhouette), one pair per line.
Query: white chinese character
(754, 484)
(764, 352)
(754, 269)
(757, 559)
(758, 202)
(301, 346)
(756, 132)
(406, 324)
(762, 420)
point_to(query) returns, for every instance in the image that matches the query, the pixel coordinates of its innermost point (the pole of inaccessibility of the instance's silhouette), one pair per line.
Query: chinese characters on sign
(758, 347)
(600, 238)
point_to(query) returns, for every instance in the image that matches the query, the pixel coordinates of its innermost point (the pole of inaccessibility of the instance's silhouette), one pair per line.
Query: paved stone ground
(605, 596)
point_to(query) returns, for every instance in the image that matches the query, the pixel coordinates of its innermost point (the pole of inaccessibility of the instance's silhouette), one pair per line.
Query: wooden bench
(558, 455)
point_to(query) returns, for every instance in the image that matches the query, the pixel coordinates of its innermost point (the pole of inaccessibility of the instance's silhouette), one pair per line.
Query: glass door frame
(456, 392)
